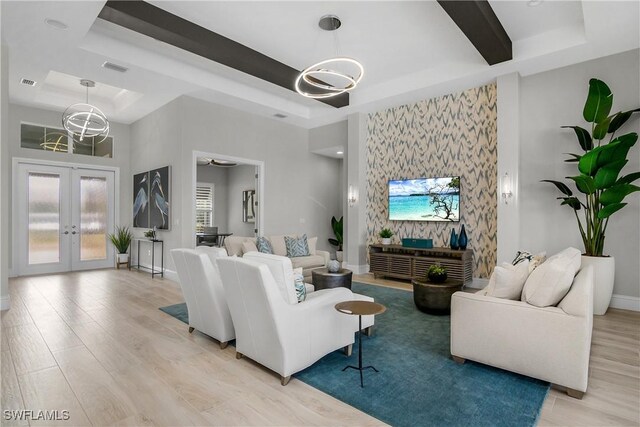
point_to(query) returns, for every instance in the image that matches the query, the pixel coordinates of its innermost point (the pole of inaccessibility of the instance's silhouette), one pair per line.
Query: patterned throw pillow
(297, 246)
(264, 245)
(298, 280)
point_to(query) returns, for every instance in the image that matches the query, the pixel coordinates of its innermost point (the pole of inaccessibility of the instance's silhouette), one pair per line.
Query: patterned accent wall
(454, 135)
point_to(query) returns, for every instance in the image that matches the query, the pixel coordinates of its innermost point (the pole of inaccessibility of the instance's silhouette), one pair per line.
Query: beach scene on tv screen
(425, 199)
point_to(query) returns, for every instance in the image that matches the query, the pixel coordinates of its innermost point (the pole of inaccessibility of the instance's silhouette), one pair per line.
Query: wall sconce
(507, 188)
(352, 196)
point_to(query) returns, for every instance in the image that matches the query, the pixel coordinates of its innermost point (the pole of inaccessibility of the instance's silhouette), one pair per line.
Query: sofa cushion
(297, 246)
(550, 282)
(310, 261)
(263, 245)
(277, 243)
(508, 280)
(313, 242)
(233, 244)
(281, 270)
(249, 246)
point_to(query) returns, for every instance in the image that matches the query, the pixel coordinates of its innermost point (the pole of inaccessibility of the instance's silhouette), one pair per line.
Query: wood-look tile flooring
(95, 344)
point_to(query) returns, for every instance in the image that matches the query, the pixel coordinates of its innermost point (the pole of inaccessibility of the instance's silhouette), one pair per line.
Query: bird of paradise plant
(599, 167)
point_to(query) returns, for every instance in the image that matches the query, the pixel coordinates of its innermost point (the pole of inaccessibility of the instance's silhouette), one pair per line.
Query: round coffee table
(434, 298)
(322, 279)
(360, 308)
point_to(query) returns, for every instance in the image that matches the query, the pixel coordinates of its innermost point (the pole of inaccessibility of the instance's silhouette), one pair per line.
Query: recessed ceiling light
(56, 24)
(340, 152)
(534, 3)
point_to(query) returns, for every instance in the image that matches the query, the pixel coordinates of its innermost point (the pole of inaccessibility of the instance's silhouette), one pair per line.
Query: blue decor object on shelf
(462, 238)
(453, 241)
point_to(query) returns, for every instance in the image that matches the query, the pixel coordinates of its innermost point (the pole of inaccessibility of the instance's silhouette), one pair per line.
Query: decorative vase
(604, 269)
(333, 266)
(453, 240)
(339, 256)
(462, 238)
(386, 240)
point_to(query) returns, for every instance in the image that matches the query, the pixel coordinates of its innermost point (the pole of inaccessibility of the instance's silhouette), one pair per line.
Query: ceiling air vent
(279, 115)
(114, 67)
(28, 82)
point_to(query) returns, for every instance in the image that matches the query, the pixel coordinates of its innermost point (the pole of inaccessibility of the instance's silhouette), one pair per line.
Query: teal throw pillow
(264, 245)
(301, 289)
(297, 246)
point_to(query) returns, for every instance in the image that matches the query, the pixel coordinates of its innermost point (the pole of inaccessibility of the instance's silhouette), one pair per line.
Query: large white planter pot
(122, 258)
(604, 269)
(386, 240)
(339, 256)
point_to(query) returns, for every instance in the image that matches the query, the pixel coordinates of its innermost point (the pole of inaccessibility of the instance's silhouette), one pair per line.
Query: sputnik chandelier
(85, 121)
(331, 77)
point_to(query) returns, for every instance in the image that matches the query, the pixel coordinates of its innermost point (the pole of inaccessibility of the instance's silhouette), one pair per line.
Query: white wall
(300, 187)
(241, 178)
(219, 178)
(5, 174)
(555, 98)
(121, 155)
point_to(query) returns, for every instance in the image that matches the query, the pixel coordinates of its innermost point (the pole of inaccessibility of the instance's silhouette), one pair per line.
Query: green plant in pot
(121, 240)
(437, 274)
(601, 187)
(337, 227)
(386, 234)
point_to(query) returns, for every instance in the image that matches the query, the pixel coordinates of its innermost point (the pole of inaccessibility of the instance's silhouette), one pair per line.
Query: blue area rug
(418, 382)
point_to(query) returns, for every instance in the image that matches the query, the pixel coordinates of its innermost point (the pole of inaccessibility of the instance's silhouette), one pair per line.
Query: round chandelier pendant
(333, 69)
(85, 121)
(331, 77)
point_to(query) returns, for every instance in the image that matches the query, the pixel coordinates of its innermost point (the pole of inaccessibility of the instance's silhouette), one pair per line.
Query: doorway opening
(228, 194)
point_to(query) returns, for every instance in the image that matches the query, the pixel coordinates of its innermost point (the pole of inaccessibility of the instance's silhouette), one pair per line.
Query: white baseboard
(171, 275)
(5, 302)
(358, 269)
(625, 302)
(13, 272)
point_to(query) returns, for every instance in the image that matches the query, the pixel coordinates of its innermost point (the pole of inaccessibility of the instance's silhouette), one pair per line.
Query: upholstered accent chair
(279, 335)
(551, 343)
(203, 292)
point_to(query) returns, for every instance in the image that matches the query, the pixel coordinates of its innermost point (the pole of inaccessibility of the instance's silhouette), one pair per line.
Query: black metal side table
(153, 257)
(360, 308)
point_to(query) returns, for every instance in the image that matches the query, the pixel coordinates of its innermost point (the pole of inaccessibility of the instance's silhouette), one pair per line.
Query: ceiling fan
(214, 162)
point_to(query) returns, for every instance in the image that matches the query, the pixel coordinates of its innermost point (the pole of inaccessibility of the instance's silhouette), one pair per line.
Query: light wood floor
(95, 344)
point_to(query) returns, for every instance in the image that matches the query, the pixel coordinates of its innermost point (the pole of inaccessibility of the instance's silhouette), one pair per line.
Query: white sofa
(238, 245)
(283, 337)
(551, 343)
(203, 292)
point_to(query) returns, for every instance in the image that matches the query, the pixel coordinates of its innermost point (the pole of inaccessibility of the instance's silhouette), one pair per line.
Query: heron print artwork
(151, 199)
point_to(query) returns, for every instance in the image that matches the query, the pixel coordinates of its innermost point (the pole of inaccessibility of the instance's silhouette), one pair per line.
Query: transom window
(57, 140)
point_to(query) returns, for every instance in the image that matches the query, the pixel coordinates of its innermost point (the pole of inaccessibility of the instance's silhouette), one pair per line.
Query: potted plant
(150, 234)
(386, 234)
(437, 274)
(337, 227)
(602, 189)
(121, 240)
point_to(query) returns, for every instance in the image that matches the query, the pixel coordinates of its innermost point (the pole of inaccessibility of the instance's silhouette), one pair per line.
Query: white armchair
(203, 292)
(284, 337)
(550, 343)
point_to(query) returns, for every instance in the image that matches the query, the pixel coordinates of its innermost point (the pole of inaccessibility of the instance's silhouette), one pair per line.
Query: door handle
(66, 232)
(73, 232)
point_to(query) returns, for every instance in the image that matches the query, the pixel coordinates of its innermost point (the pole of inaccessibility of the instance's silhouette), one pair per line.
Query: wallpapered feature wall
(447, 136)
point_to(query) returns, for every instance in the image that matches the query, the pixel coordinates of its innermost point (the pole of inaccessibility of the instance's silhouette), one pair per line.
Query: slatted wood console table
(407, 263)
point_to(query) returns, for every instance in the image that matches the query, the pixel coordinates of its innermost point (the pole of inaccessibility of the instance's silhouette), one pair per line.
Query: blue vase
(453, 241)
(462, 238)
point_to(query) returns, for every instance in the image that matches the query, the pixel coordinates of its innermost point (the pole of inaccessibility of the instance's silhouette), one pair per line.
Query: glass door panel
(44, 218)
(94, 212)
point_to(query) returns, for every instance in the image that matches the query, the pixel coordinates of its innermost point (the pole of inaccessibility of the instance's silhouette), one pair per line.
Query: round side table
(434, 298)
(322, 279)
(360, 308)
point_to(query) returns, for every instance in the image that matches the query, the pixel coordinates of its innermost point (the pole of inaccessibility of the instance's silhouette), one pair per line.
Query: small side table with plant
(121, 240)
(433, 293)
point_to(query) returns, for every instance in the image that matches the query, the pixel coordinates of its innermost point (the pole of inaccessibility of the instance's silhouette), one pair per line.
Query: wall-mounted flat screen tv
(425, 199)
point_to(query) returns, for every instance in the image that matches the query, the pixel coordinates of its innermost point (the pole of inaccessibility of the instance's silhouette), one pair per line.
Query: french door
(65, 215)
